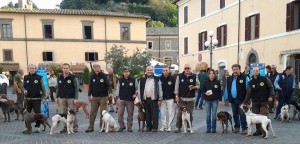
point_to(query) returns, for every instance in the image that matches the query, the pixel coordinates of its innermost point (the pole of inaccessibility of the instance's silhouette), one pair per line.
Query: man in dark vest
(261, 91)
(151, 96)
(235, 92)
(67, 93)
(34, 91)
(185, 87)
(272, 76)
(99, 91)
(285, 85)
(168, 87)
(126, 92)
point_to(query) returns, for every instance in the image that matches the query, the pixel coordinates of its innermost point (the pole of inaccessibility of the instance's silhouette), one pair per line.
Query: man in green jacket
(202, 77)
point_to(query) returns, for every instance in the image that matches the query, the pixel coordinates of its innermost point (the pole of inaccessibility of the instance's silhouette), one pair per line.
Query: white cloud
(42, 4)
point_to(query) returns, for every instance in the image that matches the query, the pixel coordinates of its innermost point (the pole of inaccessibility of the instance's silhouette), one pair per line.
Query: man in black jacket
(99, 90)
(126, 92)
(67, 93)
(261, 91)
(272, 76)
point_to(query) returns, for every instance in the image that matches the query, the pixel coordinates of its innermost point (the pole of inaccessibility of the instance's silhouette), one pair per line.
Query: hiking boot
(245, 131)
(208, 131)
(129, 129)
(178, 130)
(63, 131)
(121, 129)
(236, 130)
(89, 130)
(213, 131)
(148, 130)
(154, 130)
(257, 134)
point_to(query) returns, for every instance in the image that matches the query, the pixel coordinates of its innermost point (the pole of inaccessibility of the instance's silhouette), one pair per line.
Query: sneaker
(162, 129)
(129, 129)
(257, 134)
(37, 130)
(148, 130)
(89, 130)
(178, 130)
(154, 130)
(63, 131)
(208, 131)
(213, 131)
(201, 108)
(169, 129)
(236, 130)
(121, 129)
(244, 131)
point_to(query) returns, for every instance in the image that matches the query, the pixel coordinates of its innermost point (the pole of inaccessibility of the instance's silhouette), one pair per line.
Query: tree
(153, 23)
(138, 63)
(86, 76)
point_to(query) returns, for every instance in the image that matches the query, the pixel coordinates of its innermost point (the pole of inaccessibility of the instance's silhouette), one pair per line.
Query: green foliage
(12, 5)
(1, 68)
(86, 76)
(117, 57)
(57, 68)
(138, 63)
(153, 23)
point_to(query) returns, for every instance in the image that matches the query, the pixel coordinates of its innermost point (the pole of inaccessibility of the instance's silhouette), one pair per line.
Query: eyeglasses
(165, 70)
(186, 68)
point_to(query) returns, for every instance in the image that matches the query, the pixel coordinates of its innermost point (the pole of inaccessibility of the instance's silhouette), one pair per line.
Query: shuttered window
(222, 4)
(252, 27)
(202, 38)
(7, 55)
(222, 35)
(91, 56)
(202, 8)
(186, 45)
(293, 16)
(47, 56)
(186, 14)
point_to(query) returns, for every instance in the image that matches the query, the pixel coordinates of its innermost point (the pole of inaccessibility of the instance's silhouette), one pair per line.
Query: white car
(4, 80)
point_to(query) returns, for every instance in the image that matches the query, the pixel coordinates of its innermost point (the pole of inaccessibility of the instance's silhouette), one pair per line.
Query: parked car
(4, 80)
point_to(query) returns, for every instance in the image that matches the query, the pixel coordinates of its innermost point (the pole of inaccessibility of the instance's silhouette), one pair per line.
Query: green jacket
(202, 78)
(296, 95)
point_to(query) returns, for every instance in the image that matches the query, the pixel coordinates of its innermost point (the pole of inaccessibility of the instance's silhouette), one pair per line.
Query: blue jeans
(239, 116)
(199, 98)
(282, 101)
(211, 114)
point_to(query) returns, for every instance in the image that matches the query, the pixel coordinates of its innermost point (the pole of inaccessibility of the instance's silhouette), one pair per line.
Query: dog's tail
(269, 126)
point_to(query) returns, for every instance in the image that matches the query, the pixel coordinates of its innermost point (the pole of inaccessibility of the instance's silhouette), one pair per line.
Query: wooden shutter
(257, 18)
(44, 56)
(219, 36)
(96, 55)
(205, 38)
(247, 28)
(222, 4)
(185, 45)
(289, 17)
(86, 56)
(202, 8)
(225, 35)
(185, 14)
(200, 42)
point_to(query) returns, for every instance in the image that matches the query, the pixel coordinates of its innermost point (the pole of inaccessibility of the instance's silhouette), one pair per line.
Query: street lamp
(211, 44)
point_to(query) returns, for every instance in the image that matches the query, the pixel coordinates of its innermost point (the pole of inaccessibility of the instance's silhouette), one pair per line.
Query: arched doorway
(221, 69)
(252, 57)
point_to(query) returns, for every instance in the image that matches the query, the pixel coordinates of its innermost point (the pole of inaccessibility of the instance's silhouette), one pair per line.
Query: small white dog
(186, 119)
(284, 113)
(56, 119)
(108, 121)
(257, 119)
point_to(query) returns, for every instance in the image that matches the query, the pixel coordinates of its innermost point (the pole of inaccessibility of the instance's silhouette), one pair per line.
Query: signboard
(261, 66)
(42, 71)
(158, 70)
(200, 57)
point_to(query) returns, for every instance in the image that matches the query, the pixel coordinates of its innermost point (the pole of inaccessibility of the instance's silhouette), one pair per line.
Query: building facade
(162, 44)
(248, 31)
(77, 37)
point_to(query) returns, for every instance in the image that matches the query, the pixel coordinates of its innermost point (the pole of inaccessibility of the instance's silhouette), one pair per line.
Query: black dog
(224, 117)
(8, 107)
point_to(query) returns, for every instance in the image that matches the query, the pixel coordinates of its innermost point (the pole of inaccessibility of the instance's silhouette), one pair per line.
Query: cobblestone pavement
(11, 133)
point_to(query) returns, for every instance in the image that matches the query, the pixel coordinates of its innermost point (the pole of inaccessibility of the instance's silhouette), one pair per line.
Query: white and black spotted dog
(66, 119)
(109, 122)
(284, 113)
(186, 119)
(257, 119)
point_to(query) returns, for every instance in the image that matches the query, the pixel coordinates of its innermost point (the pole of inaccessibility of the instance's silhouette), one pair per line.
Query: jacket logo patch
(262, 84)
(241, 81)
(253, 86)
(94, 80)
(216, 86)
(191, 80)
(182, 80)
(27, 81)
(35, 81)
(131, 84)
(122, 84)
(169, 83)
(69, 81)
(101, 80)
(59, 81)
(283, 77)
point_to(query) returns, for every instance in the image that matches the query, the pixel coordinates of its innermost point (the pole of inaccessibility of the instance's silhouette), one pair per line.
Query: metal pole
(239, 32)
(211, 45)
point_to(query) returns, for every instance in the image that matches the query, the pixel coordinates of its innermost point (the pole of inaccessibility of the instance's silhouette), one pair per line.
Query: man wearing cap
(126, 92)
(185, 87)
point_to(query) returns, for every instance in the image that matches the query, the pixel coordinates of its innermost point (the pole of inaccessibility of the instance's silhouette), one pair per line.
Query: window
(87, 31)
(293, 16)
(168, 44)
(7, 55)
(91, 56)
(186, 14)
(125, 31)
(202, 8)
(186, 45)
(48, 32)
(202, 38)
(149, 44)
(222, 4)
(6, 28)
(47, 56)
(168, 60)
(252, 27)
(222, 35)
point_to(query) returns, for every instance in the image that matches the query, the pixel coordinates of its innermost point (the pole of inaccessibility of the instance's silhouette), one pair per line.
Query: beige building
(249, 31)
(47, 36)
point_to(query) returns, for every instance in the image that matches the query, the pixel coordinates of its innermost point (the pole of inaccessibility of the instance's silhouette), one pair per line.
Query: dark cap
(126, 69)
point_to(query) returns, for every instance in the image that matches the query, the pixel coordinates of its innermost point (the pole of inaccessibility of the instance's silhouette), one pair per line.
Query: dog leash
(284, 102)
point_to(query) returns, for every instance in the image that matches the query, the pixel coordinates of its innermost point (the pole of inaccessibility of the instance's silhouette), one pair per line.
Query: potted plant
(86, 78)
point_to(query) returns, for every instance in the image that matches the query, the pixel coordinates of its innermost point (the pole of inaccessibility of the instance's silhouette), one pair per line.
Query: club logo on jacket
(262, 84)
(101, 80)
(241, 81)
(191, 80)
(122, 84)
(253, 86)
(169, 83)
(59, 81)
(69, 81)
(94, 80)
(216, 86)
(182, 80)
(35, 81)
(27, 81)
(131, 84)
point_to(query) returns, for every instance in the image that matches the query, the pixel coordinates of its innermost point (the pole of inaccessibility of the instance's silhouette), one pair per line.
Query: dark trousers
(20, 100)
(260, 108)
(199, 99)
(239, 116)
(33, 104)
(190, 106)
(151, 113)
(52, 90)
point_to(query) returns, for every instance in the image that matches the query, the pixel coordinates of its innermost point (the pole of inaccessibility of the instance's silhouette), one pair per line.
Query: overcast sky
(42, 4)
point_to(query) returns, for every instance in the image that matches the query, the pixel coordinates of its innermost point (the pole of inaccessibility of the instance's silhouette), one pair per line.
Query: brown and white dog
(257, 119)
(84, 106)
(37, 118)
(186, 119)
(224, 117)
(141, 114)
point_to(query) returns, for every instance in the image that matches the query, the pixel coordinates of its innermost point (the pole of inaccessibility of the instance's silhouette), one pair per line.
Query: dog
(257, 119)
(224, 117)
(84, 106)
(66, 119)
(108, 121)
(37, 118)
(294, 112)
(9, 106)
(141, 116)
(284, 113)
(186, 119)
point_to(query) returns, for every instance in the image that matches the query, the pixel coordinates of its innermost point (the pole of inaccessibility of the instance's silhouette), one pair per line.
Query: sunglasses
(186, 68)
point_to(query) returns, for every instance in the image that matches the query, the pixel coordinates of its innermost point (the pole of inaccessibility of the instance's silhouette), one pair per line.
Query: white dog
(56, 119)
(284, 113)
(108, 121)
(257, 119)
(186, 118)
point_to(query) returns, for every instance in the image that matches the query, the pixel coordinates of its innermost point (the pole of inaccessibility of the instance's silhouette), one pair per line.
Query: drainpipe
(26, 43)
(239, 32)
(159, 48)
(105, 38)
